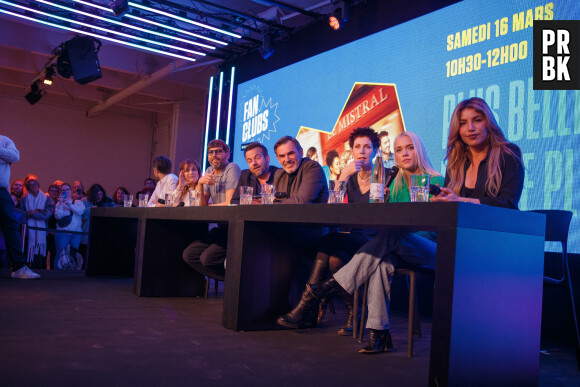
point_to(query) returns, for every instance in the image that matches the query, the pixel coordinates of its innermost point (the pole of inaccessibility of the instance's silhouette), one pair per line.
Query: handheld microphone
(392, 174)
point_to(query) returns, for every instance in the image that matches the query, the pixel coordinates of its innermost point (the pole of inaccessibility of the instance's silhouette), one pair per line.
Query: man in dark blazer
(300, 178)
(260, 171)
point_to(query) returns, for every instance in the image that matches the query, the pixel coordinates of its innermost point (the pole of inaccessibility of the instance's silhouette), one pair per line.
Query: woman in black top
(337, 248)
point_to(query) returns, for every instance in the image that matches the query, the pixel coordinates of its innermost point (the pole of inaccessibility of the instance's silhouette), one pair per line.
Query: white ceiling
(139, 79)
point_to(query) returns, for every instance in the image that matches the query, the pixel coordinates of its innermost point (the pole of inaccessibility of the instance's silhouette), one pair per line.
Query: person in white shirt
(68, 216)
(167, 181)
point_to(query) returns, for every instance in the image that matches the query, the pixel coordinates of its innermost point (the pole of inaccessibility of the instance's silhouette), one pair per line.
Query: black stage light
(35, 94)
(119, 7)
(267, 50)
(48, 73)
(63, 66)
(82, 54)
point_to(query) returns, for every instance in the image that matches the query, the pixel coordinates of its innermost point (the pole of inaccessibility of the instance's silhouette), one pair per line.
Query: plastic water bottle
(377, 192)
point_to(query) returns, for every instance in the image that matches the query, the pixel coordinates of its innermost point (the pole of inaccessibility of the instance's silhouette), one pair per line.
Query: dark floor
(68, 329)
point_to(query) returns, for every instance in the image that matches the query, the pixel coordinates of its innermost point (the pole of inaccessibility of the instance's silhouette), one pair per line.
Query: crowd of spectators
(57, 221)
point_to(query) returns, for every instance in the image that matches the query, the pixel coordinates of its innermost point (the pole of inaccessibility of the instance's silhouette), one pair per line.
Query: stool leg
(355, 321)
(411, 279)
(215, 289)
(206, 286)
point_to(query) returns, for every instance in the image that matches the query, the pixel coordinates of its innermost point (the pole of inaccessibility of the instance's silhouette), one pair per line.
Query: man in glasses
(208, 254)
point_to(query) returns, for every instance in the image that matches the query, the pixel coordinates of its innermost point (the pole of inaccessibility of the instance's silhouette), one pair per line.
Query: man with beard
(300, 178)
(208, 254)
(260, 171)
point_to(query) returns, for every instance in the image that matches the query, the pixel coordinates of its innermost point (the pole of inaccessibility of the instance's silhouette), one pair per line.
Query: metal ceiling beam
(291, 7)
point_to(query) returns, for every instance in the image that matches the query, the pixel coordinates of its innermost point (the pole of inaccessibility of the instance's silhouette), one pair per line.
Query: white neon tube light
(230, 106)
(207, 119)
(105, 9)
(217, 125)
(124, 25)
(88, 33)
(158, 11)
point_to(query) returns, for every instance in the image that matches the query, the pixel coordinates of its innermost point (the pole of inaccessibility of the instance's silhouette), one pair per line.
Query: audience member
(119, 196)
(17, 189)
(39, 208)
(260, 171)
(8, 226)
(68, 216)
(189, 173)
(167, 181)
(97, 197)
(53, 192)
(78, 190)
(207, 255)
(301, 179)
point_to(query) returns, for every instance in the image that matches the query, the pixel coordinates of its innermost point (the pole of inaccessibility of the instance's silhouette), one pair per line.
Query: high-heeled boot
(379, 341)
(305, 314)
(325, 289)
(346, 328)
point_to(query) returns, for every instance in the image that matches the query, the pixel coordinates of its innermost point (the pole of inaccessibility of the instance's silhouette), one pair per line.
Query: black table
(488, 276)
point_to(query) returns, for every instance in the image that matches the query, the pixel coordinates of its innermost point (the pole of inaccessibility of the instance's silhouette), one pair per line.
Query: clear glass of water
(168, 200)
(143, 200)
(420, 188)
(194, 196)
(246, 195)
(336, 191)
(268, 193)
(128, 201)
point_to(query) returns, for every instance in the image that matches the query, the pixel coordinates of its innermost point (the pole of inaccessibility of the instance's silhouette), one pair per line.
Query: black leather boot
(305, 314)
(346, 329)
(379, 341)
(326, 289)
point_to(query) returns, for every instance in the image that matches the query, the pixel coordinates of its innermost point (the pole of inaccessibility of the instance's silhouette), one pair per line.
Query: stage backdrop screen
(411, 77)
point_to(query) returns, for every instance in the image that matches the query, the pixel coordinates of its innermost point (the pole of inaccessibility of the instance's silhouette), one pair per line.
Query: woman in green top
(375, 261)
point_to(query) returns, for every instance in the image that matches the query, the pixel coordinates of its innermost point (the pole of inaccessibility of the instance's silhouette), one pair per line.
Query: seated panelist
(259, 170)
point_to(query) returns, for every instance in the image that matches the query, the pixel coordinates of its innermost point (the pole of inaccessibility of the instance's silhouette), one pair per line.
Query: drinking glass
(420, 188)
(143, 200)
(336, 191)
(194, 196)
(268, 193)
(128, 201)
(168, 200)
(246, 195)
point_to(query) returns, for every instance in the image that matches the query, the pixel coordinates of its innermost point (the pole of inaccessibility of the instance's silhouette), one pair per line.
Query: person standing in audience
(189, 173)
(9, 154)
(17, 189)
(167, 181)
(68, 216)
(39, 208)
(260, 171)
(301, 179)
(482, 168)
(208, 254)
(78, 190)
(54, 193)
(338, 247)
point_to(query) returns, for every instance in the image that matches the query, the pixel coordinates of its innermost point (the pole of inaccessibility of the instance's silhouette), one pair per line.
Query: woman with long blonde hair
(482, 166)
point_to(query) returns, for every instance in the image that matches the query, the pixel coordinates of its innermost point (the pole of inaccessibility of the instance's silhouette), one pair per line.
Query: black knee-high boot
(346, 329)
(305, 314)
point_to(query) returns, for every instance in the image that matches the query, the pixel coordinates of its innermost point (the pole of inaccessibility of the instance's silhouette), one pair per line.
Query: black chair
(557, 226)
(216, 281)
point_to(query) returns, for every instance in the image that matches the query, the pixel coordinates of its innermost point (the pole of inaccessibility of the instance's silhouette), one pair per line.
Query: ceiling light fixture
(340, 14)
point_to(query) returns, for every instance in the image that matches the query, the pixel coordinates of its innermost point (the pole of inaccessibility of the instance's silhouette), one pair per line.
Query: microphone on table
(392, 174)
